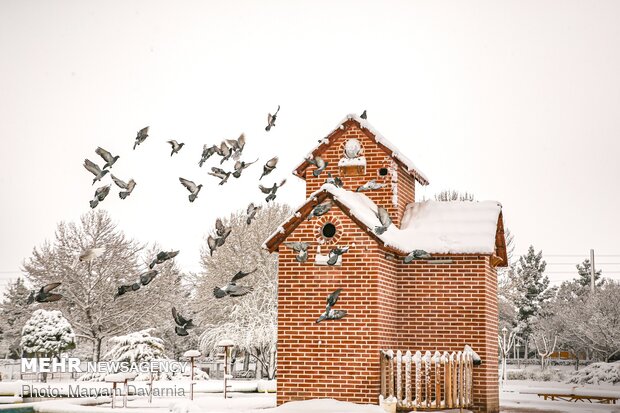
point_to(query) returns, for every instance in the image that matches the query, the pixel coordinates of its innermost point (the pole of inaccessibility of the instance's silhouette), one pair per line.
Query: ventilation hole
(328, 230)
(383, 171)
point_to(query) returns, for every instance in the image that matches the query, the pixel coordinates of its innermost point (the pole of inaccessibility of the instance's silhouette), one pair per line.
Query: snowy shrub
(47, 333)
(536, 375)
(597, 373)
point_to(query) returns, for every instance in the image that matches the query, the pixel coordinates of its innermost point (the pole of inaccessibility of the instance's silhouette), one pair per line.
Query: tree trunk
(526, 349)
(97, 354)
(246, 361)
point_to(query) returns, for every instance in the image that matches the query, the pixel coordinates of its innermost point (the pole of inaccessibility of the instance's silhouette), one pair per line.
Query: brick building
(424, 305)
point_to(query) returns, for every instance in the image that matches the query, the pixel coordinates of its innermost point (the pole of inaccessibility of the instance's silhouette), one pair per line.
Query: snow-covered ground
(515, 397)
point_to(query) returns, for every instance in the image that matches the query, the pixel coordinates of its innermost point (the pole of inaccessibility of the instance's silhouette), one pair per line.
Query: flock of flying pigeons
(229, 148)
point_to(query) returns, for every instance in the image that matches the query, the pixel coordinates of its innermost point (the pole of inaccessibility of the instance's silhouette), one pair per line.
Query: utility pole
(592, 270)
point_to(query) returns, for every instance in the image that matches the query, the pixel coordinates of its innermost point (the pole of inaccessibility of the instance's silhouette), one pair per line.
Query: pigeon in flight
(127, 186)
(182, 324)
(44, 295)
(251, 211)
(232, 289)
(89, 254)
(240, 166)
(271, 120)
(94, 169)
(176, 146)
(126, 288)
(301, 248)
(237, 146)
(141, 136)
(334, 180)
(269, 167)
(100, 194)
(369, 186)
(330, 313)
(320, 165)
(416, 255)
(224, 151)
(385, 220)
(207, 152)
(212, 244)
(220, 173)
(162, 257)
(363, 115)
(191, 187)
(321, 209)
(147, 277)
(271, 191)
(221, 231)
(107, 157)
(334, 253)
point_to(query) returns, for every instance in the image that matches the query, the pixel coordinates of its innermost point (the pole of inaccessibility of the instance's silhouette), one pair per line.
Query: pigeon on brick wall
(384, 219)
(321, 209)
(369, 186)
(330, 313)
(334, 253)
(320, 165)
(416, 255)
(301, 248)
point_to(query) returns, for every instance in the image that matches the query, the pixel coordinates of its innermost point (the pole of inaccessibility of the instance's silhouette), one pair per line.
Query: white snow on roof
(433, 226)
(364, 124)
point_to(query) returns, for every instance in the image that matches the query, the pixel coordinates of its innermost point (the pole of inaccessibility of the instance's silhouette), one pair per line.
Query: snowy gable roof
(457, 227)
(388, 146)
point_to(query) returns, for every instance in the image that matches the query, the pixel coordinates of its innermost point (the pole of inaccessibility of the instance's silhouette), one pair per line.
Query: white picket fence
(439, 381)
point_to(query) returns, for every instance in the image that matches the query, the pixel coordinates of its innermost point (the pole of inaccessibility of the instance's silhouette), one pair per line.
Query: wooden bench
(577, 394)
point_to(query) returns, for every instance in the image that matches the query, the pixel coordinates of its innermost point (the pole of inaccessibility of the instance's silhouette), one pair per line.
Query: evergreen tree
(13, 315)
(584, 270)
(531, 289)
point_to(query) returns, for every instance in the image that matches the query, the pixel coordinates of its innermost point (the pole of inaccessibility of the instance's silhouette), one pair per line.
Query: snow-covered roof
(191, 353)
(380, 139)
(456, 227)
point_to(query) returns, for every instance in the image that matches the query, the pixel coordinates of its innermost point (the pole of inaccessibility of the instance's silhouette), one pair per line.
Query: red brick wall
(376, 158)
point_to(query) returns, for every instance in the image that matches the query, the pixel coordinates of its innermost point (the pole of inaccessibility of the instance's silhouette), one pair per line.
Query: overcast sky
(515, 101)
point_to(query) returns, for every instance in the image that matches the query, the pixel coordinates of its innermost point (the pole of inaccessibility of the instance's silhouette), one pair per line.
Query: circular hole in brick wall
(328, 230)
(383, 172)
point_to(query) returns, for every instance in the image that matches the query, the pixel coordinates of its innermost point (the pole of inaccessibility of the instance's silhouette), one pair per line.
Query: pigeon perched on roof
(224, 151)
(330, 313)
(127, 186)
(107, 157)
(272, 190)
(44, 295)
(271, 120)
(232, 289)
(240, 166)
(269, 166)
(100, 194)
(207, 152)
(182, 324)
(147, 277)
(251, 212)
(301, 248)
(385, 220)
(94, 169)
(334, 180)
(363, 115)
(191, 187)
(319, 163)
(321, 209)
(176, 146)
(416, 255)
(220, 173)
(162, 257)
(141, 136)
(369, 186)
(334, 254)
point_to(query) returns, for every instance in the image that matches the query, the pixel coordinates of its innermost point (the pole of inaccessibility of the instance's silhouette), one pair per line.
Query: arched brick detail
(318, 226)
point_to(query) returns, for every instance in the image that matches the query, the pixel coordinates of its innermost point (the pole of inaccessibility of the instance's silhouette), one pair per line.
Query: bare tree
(251, 320)
(89, 287)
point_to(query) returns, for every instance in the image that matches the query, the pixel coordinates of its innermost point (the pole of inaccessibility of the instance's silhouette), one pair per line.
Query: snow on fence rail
(439, 381)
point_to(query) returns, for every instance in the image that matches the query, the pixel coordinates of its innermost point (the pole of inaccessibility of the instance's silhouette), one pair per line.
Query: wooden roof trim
(500, 242)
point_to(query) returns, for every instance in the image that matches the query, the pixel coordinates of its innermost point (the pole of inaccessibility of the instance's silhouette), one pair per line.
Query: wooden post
(383, 373)
(391, 375)
(437, 385)
(448, 381)
(113, 394)
(192, 354)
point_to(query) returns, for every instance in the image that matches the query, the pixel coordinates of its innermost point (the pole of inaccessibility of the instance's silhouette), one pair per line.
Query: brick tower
(391, 305)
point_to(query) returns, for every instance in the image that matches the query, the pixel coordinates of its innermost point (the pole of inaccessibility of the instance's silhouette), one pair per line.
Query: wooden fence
(416, 381)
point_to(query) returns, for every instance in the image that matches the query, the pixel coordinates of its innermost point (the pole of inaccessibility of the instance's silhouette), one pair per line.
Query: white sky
(516, 101)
